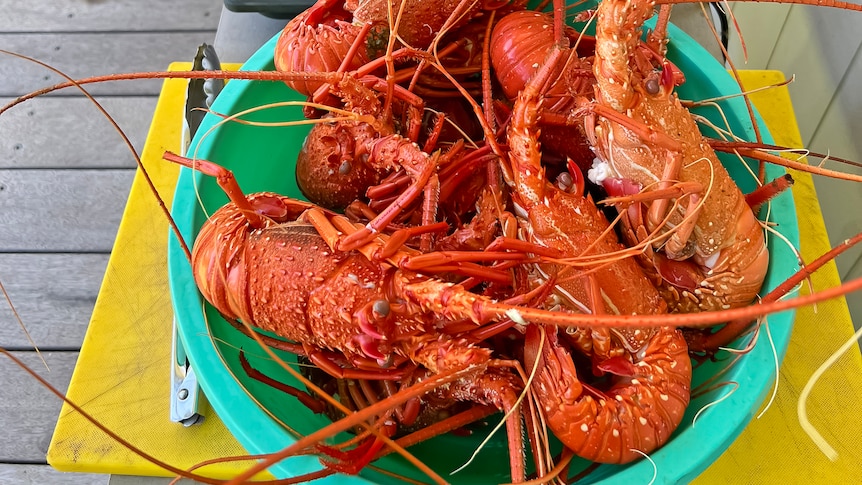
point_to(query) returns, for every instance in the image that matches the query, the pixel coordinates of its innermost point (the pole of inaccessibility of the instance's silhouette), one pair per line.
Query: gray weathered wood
(61, 210)
(53, 294)
(89, 54)
(41, 474)
(29, 410)
(62, 132)
(79, 15)
(64, 185)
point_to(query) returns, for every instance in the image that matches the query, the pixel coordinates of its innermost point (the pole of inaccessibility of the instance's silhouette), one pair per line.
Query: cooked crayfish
(341, 159)
(650, 367)
(320, 39)
(380, 319)
(520, 43)
(703, 241)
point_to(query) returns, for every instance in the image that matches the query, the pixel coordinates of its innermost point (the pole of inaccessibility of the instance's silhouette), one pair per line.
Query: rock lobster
(651, 367)
(664, 177)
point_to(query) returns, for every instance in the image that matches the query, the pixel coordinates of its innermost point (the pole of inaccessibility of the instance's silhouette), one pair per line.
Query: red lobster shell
(318, 40)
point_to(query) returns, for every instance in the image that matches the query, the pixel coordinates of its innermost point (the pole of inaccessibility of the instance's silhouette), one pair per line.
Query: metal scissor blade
(201, 92)
(185, 391)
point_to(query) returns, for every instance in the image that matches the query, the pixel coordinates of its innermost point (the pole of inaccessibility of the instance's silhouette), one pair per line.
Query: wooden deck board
(90, 54)
(116, 15)
(61, 210)
(60, 132)
(24, 474)
(29, 410)
(53, 294)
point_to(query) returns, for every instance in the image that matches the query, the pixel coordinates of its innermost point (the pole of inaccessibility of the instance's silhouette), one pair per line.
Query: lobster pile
(472, 270)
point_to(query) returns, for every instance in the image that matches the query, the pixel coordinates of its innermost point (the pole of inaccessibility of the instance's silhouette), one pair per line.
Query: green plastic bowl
(262, 158)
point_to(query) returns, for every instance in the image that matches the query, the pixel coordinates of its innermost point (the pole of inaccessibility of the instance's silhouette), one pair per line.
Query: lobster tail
(644, 404)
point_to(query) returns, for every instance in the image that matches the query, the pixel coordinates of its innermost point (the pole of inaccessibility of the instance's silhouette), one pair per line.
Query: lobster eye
(652, 86)
(344, 168)
(564, 181)
(381, 307)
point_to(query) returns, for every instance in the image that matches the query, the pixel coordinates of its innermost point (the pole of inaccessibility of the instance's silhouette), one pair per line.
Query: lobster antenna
(725, 97)
(136, 156)
(472, 143)
(820, 3)
(758, 151)
(500, 423)
(104, 428)
(726, 132)
(23, 327)
(749, 346)
(717, 401)
(306, 477)
(343, 115)
(273, 76)
(728, 12)
(358, 417)
(393, 24)
(801, 406)
(748, 105)
(487, 90)
(707, 386)
(490, 137)
(274, 124)
(454, 17)
(654, 466)
(777, 368)
(745, 150)
(484, 114)
(771, 230)
(131, 148)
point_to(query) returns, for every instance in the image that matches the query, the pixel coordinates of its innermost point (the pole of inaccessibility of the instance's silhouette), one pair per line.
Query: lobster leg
(383, 219)
(768, 191)
(316, 405)
(458, 262)
(225, 180)
(693, 192)
(657, 39)
(336, 370)
(493, 386)
(643, 131)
